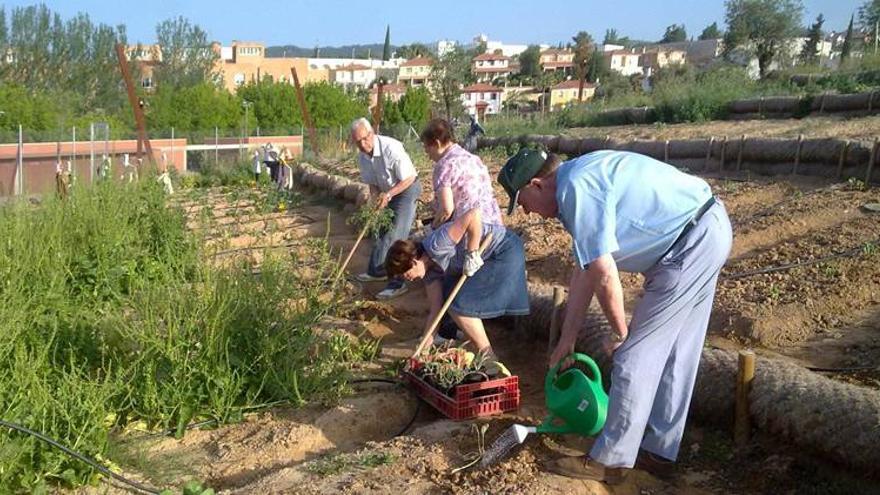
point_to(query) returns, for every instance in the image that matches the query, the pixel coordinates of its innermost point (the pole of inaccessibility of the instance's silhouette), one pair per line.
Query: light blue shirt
(625, 204)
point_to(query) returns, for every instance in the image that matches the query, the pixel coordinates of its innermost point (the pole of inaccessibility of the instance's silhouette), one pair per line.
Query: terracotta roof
(573, 84)
(481, 88)
(491, 56)
(417, 62)
(353, 67)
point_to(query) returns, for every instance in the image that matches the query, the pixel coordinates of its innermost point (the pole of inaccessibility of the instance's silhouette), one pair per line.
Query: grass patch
(334, 464)
(112, 314)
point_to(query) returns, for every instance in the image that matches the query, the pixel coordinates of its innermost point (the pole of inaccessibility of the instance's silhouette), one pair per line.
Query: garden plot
(347, 447)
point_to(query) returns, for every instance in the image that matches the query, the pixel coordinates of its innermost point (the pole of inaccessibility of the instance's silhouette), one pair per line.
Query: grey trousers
(654, 371)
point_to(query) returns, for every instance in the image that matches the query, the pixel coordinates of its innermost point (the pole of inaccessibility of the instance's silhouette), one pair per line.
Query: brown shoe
(584, 468)
(658, 466)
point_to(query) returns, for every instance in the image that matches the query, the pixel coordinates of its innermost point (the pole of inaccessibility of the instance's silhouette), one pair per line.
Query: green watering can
(578, 401)
(577, 404)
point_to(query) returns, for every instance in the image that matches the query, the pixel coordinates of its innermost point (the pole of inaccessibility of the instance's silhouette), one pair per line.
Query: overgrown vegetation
(112, 314)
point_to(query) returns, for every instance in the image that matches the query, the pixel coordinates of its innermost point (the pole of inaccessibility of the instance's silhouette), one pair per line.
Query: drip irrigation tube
(80, 457)
(845, 254)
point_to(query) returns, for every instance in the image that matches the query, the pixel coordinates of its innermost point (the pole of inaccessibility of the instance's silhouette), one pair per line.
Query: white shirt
(388, 165)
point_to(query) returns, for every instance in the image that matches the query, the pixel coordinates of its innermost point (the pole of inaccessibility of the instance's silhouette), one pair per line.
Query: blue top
(448, 255)
(625, 204)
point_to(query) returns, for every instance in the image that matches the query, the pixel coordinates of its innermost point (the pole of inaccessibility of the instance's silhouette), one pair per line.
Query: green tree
(413, 50)
(869, 15)
(810, 52)
(674, 33)
(449, 74)
(330, 106)
(611, 37)
(711, 32)
(530, 61)
(583, 51)
(391, 114)
(846, 48)
(386, 49)
(597, 68)
(415, 106)
(36, 112)
(198, 107)
(274, 104)
(761, 27)
(187, 56)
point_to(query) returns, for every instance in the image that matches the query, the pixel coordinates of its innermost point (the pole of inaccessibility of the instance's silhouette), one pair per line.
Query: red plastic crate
(468, 401)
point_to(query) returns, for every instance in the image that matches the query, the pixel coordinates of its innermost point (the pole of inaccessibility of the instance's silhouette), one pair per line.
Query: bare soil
(855, 128)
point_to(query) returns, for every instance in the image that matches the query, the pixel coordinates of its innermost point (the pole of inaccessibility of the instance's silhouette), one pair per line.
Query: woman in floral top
(461, 182)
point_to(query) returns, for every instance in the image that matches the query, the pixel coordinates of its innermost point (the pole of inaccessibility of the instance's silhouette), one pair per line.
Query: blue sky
(332, 22)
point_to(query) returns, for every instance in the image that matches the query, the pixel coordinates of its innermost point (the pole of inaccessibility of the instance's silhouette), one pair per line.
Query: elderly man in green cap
(632, 213)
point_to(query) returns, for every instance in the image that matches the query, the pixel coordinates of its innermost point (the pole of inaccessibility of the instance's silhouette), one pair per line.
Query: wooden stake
(723, 154)
(871, 162)
(555, 318)
(842, 160)
(744, 378)
(666, 151)
(135, 103)
(739, 157)
(709, 153)
(305, 111)
(429, 332)
(380, 106)
(797, 154)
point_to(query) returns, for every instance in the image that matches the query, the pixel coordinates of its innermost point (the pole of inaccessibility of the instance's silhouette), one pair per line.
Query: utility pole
(876, 26)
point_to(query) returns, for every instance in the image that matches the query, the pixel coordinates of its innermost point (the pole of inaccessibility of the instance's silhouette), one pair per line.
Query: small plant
(447, 367)
(380, 221)
(191, 488)
(870, 248)
(854, 184)
(338, 463)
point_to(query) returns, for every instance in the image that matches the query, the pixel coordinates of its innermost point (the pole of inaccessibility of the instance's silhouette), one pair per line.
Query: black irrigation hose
(845, 254)
(399, 383)
(80, 457)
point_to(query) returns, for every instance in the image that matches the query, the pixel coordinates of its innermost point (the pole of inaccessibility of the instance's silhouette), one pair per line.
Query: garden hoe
(576, 400)
(429, 333)
(357, 243)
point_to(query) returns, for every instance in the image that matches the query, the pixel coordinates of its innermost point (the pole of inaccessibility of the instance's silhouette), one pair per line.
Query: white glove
(472, 263)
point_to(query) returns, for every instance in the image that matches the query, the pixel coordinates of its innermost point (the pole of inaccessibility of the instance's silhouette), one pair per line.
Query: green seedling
(379, 221)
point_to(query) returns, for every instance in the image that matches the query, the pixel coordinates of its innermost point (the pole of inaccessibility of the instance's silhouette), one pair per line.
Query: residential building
(244, 62)
(415, 72)
(607, 47)
(393, 92)
(353, 75)
(566, 93)
(554, 59)
(657, 58)
(499, 47)
(146, 58)
(625, 62)
(698, 53)
(490, 66)
(521, 97)
(482, 99)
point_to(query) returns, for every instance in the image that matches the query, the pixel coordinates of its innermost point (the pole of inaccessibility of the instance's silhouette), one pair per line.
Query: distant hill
(345, 51)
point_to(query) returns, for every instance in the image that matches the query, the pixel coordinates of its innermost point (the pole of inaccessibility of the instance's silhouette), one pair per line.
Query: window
(494, 96)
(147, 82)
(238, 79)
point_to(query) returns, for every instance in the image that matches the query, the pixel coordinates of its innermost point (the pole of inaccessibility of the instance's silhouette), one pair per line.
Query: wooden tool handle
(357, 243)
(429, 333)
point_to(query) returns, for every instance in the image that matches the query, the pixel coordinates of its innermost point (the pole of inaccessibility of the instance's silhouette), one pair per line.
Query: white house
(625, 62)
(482, 99)
(489, 66)
(353, 75)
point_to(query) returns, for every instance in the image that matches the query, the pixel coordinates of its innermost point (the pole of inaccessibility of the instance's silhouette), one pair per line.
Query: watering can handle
(577, 357)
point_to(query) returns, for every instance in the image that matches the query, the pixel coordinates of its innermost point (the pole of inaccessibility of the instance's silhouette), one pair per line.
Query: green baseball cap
(518, 171)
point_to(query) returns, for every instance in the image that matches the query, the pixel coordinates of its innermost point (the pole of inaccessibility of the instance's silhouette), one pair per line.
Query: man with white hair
(388, 170)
